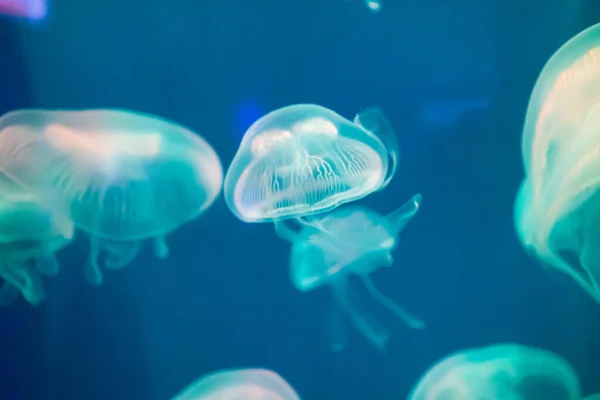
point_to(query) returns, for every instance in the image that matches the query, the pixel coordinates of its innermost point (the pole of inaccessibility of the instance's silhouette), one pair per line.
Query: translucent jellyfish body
(305, 159)
(29, 237)
(239, 384)
(349, 241)
(558, 206)
(120, 176)
(502, 371)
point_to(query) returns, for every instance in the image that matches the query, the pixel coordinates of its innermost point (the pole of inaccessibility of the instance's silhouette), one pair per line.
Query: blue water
(223, 299)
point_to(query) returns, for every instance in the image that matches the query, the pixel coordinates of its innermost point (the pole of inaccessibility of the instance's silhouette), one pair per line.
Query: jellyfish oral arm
(398, 219)
(388, 303)
(365, 324)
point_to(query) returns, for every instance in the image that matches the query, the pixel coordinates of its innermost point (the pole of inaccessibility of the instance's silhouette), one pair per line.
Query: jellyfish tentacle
(337, 333)
(391, 305)
(161, 247)
(361, 319)
(27, 281)
(398, 218)
(120, 254)
(374, 122)
(91, 269)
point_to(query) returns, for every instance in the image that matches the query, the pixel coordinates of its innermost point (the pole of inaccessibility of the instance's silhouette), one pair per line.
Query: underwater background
(454, 78)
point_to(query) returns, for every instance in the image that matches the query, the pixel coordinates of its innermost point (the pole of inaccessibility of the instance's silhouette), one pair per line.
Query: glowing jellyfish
(350, 241)
(120, 176)
(30, 235)
(305, 159)
(239, 384)
(502, 371)
(557, 209)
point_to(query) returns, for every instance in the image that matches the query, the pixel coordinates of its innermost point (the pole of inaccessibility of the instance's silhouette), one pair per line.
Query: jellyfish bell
(122, 177)
(564, 93)
(558, 204)
(305, 159)
(239, 384)
(501, 371)
(350, 241)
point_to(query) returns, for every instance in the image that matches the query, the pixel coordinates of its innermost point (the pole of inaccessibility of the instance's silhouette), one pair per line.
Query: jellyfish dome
(120, 176)
(558, 205)
(305, 159)
(239, 384)
(502, 371)
(30, 235)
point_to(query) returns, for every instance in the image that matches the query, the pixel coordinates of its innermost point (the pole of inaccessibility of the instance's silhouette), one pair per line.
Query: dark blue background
(223, 298)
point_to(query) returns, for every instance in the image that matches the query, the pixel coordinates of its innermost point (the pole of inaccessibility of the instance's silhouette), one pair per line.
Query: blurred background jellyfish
(304, 159)
(557, 211)
(30, 235)
(350, 241)
(122, 177)
(502, 372)
(30, 9)
(239, 384)
(374, 6)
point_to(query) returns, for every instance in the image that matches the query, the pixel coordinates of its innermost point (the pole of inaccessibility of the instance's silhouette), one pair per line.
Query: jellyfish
(121, 177)
(30, 235)
(304, 159)
(501, 371)
(239, 384)
(557, 209)
(350, 241)
(34, 10)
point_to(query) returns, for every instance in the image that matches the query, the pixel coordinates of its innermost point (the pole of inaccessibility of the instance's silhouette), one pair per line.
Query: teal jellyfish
(499, 372)
(239, 384)
(305, 159)
(30, 235)
(350, 241)
(122, 177)
(557, 208)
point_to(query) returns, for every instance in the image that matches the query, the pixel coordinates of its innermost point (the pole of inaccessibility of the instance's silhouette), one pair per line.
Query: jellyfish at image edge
(304, 159)
(30, 235)
(350, 241)
(501, 371)
(239, 384)
(121, 177)
(557, 211)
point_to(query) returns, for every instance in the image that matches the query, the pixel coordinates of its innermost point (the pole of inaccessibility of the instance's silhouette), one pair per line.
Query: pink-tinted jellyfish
(30, 235)
(557, 211)
(30, 9)
(122, 177)
(239, 384)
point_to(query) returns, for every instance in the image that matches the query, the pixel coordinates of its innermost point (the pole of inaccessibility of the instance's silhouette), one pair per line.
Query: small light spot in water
(374, 6)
